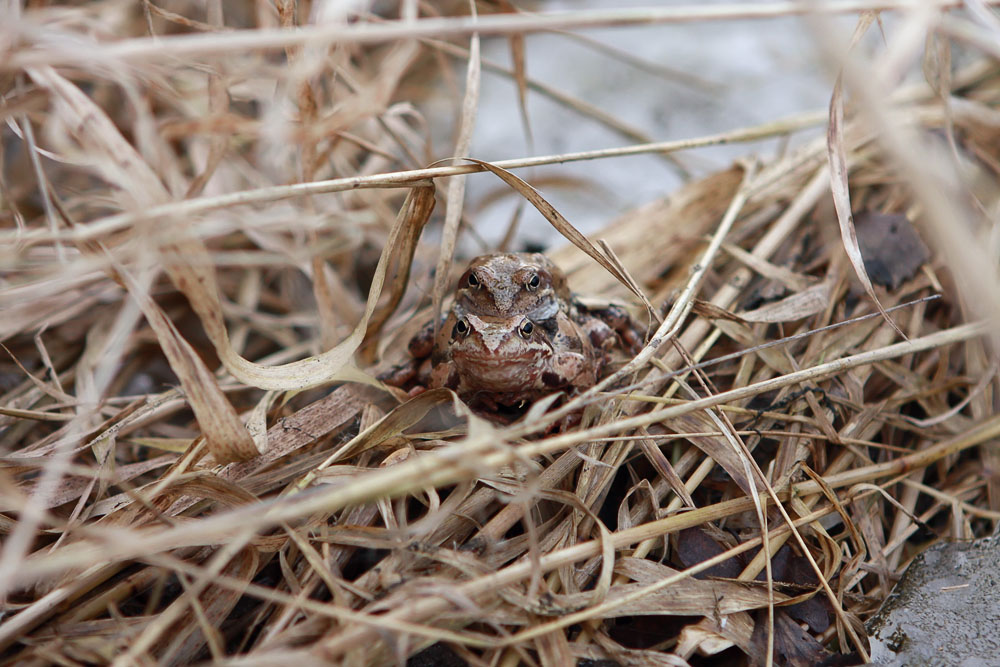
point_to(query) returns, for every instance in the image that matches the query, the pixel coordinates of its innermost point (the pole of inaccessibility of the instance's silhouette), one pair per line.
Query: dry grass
(212, 240)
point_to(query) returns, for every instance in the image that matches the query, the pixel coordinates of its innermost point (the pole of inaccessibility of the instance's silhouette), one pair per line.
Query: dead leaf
(695, 546)
(891, 248)
(793, 646)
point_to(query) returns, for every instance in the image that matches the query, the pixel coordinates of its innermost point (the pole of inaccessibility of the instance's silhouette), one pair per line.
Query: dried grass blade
(195, 278)
(561, 224)
(114, 157)
(227, 438)
(516, 41)
(663, 468)
(631, 283)
(394, 423)
(162, 622)
(36, 415)
(217, 603)
(72, 487)
(312, 422)
(694, 596)
(521, 78)
(121, 164)
(218, 104)
(793, 280)
(257, 419)
(716, 448)
(518, 571)
(400, 179)
(797, 306)
(420, 211)
(837, 152)
(603, 586)
(456, 186)
(835, 502)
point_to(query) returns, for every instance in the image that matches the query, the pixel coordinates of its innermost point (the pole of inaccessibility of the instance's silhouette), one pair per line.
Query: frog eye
(533, 282)
(461, 329)
(474, 280)
(525, 329)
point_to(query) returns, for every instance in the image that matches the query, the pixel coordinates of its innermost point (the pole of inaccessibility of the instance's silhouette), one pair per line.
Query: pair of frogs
(514, 333)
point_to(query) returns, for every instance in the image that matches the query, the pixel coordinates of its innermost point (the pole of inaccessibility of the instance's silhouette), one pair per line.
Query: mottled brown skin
(514, 333)
(507, 284)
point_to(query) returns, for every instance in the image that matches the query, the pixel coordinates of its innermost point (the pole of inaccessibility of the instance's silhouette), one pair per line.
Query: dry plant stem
(722, 422)
(698, 329)
(655, 529)
(464, 460)
(952, 500)
(936, 184)
(152, 632)
(831, 595)
(424, 607)
(327, 414)
(764, 249)
(429, 607)
(18, 626)
(168, 515)
(675, 318)
(757, 564)
(679, 372)
(580, 106)
(978, 36)
(385, 622)
(729, 292)
(456, 186)
(178, 46)
(650, 67)
(837, 150)
(400, 179)
(505, 519)
(767, 552)
(33, 515)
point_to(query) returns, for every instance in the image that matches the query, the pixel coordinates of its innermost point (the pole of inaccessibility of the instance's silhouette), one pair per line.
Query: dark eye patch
(550, 326)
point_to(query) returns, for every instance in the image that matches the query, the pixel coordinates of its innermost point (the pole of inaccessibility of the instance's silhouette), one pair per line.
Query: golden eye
(533, 282)
(525, 329)
(474, 280)
(461, 329)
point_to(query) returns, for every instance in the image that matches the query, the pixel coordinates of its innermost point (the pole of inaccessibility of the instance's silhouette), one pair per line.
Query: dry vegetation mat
(215, 234)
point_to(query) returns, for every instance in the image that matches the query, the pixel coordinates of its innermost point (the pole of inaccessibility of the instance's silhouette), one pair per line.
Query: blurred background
(656, 83)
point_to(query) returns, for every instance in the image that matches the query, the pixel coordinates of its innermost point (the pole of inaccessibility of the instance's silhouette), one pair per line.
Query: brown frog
(514, 333)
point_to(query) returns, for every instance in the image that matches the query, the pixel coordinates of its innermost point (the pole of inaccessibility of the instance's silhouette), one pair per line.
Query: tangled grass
(213, 237)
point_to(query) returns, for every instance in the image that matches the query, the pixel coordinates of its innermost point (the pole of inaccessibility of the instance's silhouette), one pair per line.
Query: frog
(515, 332)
